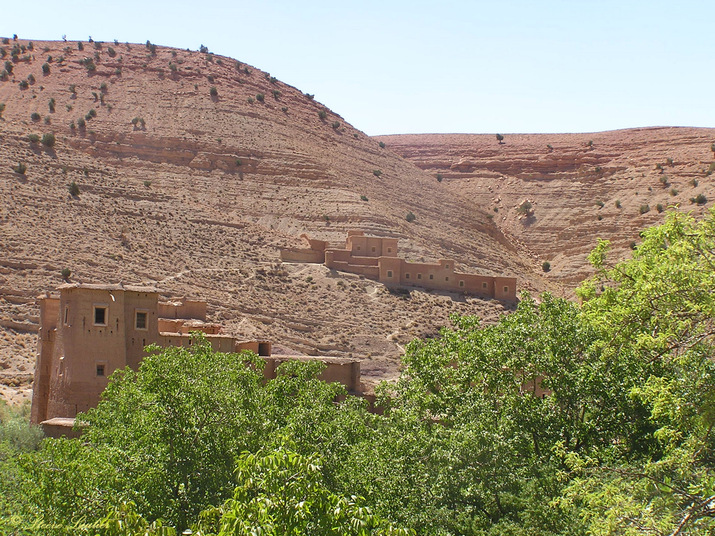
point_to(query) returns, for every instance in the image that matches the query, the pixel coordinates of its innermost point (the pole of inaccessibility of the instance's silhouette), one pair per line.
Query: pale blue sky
(449, 66)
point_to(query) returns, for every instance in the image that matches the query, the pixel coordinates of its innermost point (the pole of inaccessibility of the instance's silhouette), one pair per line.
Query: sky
(449, 66)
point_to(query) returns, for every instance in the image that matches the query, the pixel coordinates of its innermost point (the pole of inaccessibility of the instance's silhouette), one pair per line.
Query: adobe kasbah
(376, 258)
(87, 331)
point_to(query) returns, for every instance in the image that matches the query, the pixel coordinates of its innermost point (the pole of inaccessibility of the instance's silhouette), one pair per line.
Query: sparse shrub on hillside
(659, 167)
(276, 94)
(618, 203)
(20, 168)
(80, 46)
(549, 147)
(600, 203)
(24, 84)
(674, 192)
(111, 52)
(644, 208)
(204, 49)
(260, 97)
(31, 78)
(147, 184)
(659, 208)
(284, 109)
(48, 139)
(66, 273)
(695, 183)
(45, 68)
(251, 100)
(172, 67)
(9, 67)
(35, 116)
(669, 161)
(699, 199)
(500, 138)
(213, 91)
(311, 97)
(526, 208)
(382, 144)
(322, 114)
(48, 120)
(34, 138)
(363, 198)
(712, 147)
(5, 41)
(89, 64)
(546, 266)
(210, 78)
(376, 172)
(589, 143)
(138, 123)
(336, 125)
(72, 125)
(273, 80)
(4, 75)
(30, 46)
(73, 89)
(103, 87)
(95, 96)
(238, 162)
(151, 47)
(711, 168)
(2, 108)
(81, 122)
(73, 189)
(663, 180)
(439, 177)
(410, 217)
(51, 105)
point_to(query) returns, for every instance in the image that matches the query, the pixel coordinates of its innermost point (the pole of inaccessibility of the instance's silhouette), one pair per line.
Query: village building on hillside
(88, 331)
(376, 258)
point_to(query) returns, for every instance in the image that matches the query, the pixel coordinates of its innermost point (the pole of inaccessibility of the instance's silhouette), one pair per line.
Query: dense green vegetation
(622, 444)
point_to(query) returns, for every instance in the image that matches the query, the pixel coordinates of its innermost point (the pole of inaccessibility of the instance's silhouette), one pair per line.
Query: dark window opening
(446, 278)
(100, 370)
(461, 283)
(431, 276)
(407, 275)
(389, 273)
(141, 320)
(419, 276)
(100, 316)
(484, 285)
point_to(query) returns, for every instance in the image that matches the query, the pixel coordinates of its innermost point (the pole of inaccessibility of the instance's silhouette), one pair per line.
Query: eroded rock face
(580, 186)
(195, 193)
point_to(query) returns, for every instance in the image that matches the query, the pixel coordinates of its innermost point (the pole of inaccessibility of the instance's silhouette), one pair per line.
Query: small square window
(431, 276)
(373, 249)
(389, 273)
(358, 248)
(484, 284)
(140, 321)
(461, 283)
(100, 315)
(506, 290)
(100, 369)
(407, 275)
(446, 278)
(389, 250)
(446, 266)
(419, 276)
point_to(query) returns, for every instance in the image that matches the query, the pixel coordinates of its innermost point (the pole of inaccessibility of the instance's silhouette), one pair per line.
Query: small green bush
(238, 162)
(618, 203)
(45, 68)
(73, 89)
(439, 177)
(48, 139)
(276, 94)
(363, 198)
(147, 183)
(500, 138)
(66, 273)
(644, 208)
(525, 208)
(260, 97)
(35, 116)
(9, 67)
(546, 266)
(213, 91)
(663, 180)
(694, 182)
(674, 192)
(34, 138)
(20, 168)
(81, 122)
(2, 108)
(659, 207)
(336, 125)
(600, 203)
(73, 189)
(24, 84)
(382, 144)
(377, 172)
(322, 114)
(410, 217)
(111, 52)
(700, 199)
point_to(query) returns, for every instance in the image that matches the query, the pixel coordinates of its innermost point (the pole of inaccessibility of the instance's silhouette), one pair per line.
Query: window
(100, 369)
(506, 290)
(484, 284)
(373, 249)
(358, 248)
(407, 275)
(100, 315)
(389, 273)
(446, 266)
(389, 250)
(461, 283)
(446, 278)
(431, 276)
(419, 276)
(140, 320)
(67, 316)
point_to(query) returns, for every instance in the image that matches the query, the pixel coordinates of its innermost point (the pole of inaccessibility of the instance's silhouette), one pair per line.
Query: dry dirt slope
(193, 190)
(581, 186)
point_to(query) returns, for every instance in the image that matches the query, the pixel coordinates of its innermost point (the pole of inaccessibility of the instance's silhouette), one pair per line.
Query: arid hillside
(553, 195)
(189, 170)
